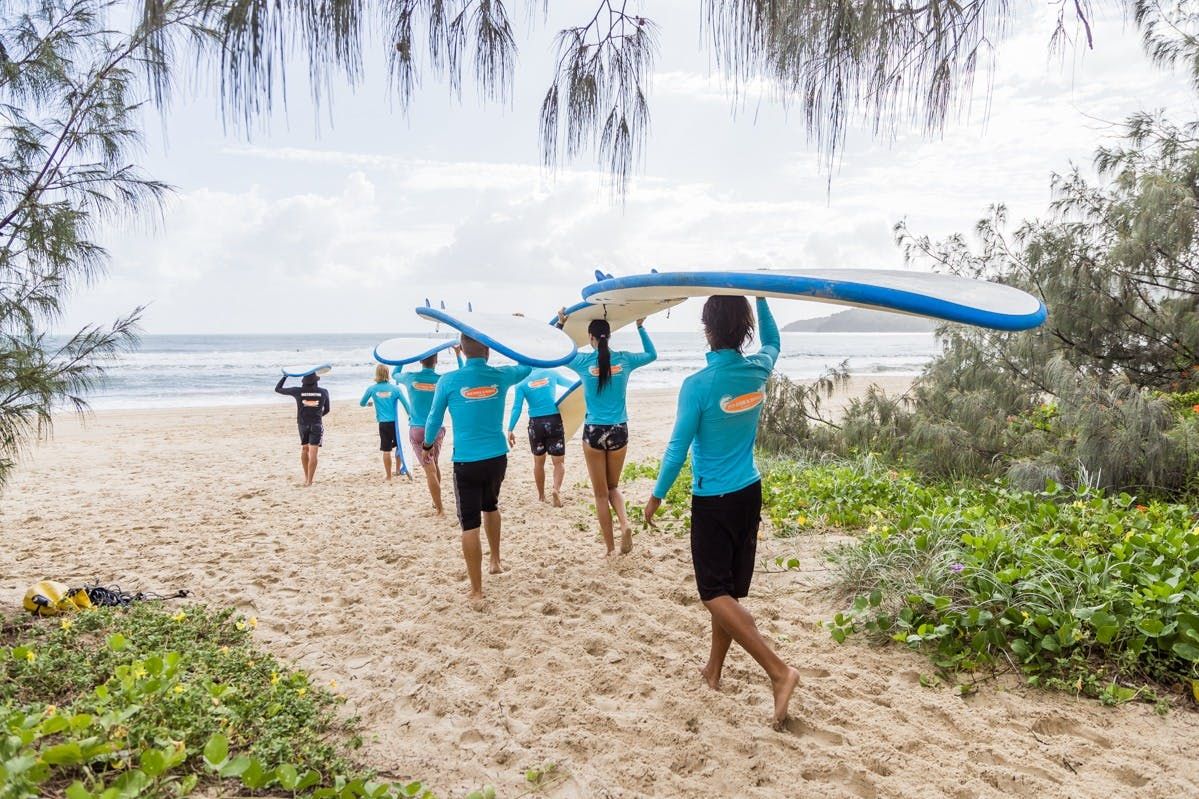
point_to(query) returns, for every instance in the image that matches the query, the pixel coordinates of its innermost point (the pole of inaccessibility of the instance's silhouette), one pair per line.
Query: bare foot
(541, 497)
(782, 696)
(626, 541)
(713, 680)
(611, 553)
(496, 567)
(475, 600)
(557, 500)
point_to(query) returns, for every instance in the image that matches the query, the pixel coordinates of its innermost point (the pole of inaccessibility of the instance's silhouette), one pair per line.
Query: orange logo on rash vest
(383, 394)
(616, 369)
(480, 392)
(743, 403)
(425, 386)
(545, 381)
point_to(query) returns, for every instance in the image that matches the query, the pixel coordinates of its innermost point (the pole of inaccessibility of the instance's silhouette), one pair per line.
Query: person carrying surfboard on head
(384, 395)
(717, 421)
(474, 396)
(312, 405)
(547, 436)
(605, 376)
(421, 386)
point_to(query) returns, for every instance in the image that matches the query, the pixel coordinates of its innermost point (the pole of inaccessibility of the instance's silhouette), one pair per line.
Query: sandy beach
(576, 661)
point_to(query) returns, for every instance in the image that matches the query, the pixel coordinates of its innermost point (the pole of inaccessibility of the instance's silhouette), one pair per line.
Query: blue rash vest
(385, 396)
(420, 385)
(718, 415)
(474, 396)
(608, 406)
(538, 389)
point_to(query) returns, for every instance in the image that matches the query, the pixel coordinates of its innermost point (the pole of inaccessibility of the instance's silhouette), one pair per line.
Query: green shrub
(147, 702)
(1083, 590)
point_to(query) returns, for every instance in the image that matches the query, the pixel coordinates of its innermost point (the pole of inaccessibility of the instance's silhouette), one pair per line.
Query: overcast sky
(346, 224)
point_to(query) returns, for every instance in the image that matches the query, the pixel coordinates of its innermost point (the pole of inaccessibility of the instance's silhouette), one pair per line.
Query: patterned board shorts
(547, 436)
(608, 437)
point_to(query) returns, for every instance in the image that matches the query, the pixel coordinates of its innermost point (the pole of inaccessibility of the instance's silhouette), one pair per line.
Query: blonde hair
(382, 375)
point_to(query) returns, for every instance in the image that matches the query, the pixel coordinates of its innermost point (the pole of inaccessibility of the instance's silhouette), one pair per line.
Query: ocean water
(217, 370)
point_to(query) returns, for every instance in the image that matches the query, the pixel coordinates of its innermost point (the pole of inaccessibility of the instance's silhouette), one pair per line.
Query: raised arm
(685, 424)
(279, 386)
(639, 359)
(768, 332)
(437, 412)
(562, 380)
(518, 401)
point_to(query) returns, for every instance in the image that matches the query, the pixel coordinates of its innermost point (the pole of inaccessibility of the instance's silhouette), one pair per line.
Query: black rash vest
(311, 403)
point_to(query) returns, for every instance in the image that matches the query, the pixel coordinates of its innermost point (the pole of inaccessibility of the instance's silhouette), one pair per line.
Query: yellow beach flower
(274, 678)
(180, 616)
(31, 656)
(50, 710)
(178, 689)
(253, 621)
(65, 624)
(301, 691)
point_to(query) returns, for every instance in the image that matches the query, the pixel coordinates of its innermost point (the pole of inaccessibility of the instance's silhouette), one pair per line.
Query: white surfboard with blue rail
(304, 371)
(405, 350)
(946, 297)
(524, 340)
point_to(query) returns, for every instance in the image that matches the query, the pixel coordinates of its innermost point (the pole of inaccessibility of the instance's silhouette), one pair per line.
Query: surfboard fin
(427, 303)
(470, 307)
(599, 275)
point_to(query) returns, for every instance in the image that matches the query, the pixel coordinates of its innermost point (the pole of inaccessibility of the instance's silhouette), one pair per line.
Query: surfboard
(524, 340)
(618, 314)
(572, 407)
(948, 297)
(401, 351)
(301, 371)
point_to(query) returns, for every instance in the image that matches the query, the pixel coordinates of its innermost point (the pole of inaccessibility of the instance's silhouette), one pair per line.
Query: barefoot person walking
(474, 396)
(312, 405)
(546, 433)
(717, 420)
(605, 375)
(384, 395)
(420, 386)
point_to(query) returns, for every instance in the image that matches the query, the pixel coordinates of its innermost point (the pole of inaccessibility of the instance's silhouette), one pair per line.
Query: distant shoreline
(862, 320)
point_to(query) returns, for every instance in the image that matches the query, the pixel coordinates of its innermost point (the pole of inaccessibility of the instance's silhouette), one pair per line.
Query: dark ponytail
(728, 322)
(600, 330)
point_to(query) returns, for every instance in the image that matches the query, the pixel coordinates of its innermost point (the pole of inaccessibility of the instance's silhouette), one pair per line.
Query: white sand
(576, 661)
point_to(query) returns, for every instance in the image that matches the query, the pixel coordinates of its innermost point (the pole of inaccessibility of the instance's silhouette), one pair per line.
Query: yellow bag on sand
(49, 598)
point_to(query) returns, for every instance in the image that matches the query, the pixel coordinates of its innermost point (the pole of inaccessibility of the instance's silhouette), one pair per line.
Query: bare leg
(304, 461)
(433, 478)
(720, 647)
(387, 464)
(730, 615)
(615, 466)
(313, 452)
(559, 476)
(598, 470)
(491, 524)
(539, 475)
(472, 553)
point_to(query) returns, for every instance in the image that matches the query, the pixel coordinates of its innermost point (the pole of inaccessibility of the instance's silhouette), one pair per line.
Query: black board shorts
(387, 436)
(724, 541)
(608, 437)
(312, 434)
(477, 489)
(547, 435)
